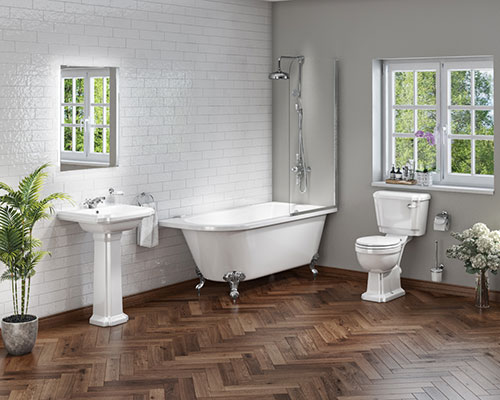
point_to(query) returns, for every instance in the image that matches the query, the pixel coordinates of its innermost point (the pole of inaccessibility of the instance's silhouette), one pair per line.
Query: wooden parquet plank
(448, 391)
(477, 377)
(288, 338)
(469, 383)
(460, 388)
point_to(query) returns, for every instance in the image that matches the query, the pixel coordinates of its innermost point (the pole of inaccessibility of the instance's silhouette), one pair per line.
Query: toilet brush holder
(437, 271)
(437, 274)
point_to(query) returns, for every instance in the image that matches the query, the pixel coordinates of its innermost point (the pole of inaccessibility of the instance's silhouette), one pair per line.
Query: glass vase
(482, 299)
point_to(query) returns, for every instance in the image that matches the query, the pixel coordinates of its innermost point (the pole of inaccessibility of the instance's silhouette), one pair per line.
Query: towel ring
(144, 198)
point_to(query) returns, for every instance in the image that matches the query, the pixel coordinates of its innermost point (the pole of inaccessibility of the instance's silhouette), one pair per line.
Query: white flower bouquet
(479, 249)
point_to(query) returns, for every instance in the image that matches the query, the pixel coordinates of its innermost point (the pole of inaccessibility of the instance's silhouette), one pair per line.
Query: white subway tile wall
(195, 122)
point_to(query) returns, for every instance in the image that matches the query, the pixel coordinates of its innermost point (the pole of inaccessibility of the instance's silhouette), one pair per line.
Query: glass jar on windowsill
(424, 178)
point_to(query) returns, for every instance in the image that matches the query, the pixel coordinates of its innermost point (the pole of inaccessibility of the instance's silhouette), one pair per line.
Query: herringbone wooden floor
(288, 338)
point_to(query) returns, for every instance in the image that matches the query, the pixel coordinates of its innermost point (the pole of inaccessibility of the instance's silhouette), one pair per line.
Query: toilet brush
(437, 271)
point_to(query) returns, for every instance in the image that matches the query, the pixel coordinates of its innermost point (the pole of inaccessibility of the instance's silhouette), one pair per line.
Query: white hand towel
(147, 231)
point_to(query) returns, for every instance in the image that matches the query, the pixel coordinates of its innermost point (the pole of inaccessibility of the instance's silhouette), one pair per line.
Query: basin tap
(92, 203)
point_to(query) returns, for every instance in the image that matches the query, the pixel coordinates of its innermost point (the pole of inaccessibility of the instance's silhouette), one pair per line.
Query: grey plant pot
(19, 337)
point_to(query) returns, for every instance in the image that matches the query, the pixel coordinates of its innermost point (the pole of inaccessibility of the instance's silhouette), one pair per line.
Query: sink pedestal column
(108, 302)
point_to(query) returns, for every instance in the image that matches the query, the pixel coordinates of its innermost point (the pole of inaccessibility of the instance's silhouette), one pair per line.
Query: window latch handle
(444, 136)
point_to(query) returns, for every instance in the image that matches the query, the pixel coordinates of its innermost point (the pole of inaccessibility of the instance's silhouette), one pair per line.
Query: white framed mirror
(89, 128)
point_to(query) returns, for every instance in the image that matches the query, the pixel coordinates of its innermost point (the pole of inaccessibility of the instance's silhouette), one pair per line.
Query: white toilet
(400, 215)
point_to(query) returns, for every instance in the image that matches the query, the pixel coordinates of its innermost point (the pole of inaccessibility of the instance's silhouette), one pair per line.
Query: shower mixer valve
(300, 170)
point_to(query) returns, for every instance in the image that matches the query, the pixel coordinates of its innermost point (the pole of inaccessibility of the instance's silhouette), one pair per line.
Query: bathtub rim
(181, 223)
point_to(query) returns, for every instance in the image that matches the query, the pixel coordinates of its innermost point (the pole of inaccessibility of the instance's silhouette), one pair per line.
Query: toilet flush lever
(412, 205)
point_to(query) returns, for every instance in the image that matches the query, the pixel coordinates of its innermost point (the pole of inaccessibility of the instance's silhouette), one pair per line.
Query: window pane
(426, 88)
(79, 115)
(426, 120)
(461, 156)
(426, 155)
(98, 90)
(483, 87)
(106, 100)
(68, 138)
(68, 114)
(484, 122)
(79, 139)
(404, 151)
(80, 87)
(460, 122)
(106, 113)
(484, 157)
(460, 87)
(404, 121)
(98, 115)
(403, 88)
(98, 140)
(68, 90)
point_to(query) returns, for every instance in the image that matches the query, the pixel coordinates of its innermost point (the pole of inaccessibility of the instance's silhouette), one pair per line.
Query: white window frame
(442, 135)
(447, 136)
(88, 157)
(390, 122)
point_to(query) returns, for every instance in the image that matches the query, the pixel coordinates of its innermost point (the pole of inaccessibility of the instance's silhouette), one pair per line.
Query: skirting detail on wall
(334, 273)
(128, 301)
(406, 283)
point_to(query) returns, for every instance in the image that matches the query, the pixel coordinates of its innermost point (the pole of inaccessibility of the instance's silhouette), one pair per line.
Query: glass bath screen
(312, 153)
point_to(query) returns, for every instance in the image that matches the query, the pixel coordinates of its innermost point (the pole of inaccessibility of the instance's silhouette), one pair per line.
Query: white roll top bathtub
(253, 241)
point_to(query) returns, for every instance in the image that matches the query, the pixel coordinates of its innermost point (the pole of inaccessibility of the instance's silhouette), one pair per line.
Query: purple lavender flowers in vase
(429, 136)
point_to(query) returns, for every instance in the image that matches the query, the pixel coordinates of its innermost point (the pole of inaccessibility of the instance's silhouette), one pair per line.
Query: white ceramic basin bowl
(106, 219)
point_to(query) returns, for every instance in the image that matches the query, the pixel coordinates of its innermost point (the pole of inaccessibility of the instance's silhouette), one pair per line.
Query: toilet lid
(378, 241)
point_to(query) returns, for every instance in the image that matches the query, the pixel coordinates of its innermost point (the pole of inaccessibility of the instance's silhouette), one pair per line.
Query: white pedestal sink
(107, 224)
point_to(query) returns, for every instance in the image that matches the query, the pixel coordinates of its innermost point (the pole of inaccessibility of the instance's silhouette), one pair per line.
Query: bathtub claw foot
(312, 265)
(202, 281)
(234, 278)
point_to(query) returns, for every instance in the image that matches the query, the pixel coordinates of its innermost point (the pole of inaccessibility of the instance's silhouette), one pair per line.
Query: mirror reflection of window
(89, 125)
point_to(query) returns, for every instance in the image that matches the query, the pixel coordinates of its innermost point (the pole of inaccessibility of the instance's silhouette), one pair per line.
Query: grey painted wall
(356, 32)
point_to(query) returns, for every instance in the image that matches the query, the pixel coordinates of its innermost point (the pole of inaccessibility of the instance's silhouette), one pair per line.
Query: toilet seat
(378, 244)
(379, 241)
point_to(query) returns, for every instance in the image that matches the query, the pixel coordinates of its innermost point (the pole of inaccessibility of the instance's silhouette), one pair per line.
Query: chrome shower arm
(300, 60)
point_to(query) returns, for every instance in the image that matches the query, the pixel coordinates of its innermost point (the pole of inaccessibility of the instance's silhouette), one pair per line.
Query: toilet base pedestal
(384, 287)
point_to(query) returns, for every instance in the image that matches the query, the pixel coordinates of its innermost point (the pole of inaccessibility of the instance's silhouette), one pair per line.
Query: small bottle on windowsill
(399, 175)
(392, 173)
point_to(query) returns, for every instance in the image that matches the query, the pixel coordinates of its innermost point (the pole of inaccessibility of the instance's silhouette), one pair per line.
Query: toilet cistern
(401, 216)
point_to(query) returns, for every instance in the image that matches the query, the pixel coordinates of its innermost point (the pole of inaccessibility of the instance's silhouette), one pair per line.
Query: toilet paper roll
(441, 223)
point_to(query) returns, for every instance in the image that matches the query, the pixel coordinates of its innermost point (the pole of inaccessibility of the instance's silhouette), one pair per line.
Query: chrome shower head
(281, 75)
(278, 75)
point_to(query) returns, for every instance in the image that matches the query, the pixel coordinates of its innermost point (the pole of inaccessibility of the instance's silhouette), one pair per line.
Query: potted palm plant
(20, 252)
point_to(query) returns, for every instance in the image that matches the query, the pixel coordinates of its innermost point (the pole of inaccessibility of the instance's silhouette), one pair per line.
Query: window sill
(437, 188)
(85, 163)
